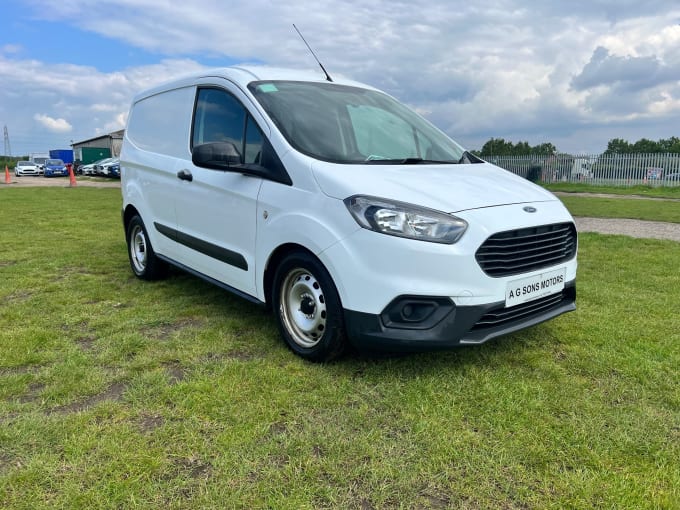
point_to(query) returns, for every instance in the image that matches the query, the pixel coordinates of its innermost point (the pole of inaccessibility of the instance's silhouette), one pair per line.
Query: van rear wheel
(308, 308)
(143, 260)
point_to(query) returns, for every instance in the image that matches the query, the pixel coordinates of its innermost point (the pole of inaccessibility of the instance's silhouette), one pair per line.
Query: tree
(670, 145)
(643, 146)
(521, 148)
(10, 161)
(618, 146)
(499, 147)
(544, 149)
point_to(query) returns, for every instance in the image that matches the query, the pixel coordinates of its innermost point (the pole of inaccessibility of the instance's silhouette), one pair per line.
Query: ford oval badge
(530, 209)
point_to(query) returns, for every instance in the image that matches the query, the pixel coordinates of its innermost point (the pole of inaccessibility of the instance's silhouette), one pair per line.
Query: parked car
(89, 169)
(114, 170)
(55, 168)
(27, 168)
(346, 213)
(109, 168)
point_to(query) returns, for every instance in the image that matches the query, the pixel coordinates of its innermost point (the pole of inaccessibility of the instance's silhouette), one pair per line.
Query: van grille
(501, 316)
(527, 249)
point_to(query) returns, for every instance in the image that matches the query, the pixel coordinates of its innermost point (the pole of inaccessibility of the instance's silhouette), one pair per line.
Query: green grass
(651, 210)
(646, 191)
(117, 393)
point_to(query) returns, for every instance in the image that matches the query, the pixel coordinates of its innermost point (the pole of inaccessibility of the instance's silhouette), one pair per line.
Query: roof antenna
(328, 77)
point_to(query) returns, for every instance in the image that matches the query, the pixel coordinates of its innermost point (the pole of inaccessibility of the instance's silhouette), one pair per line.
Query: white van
(345, 212)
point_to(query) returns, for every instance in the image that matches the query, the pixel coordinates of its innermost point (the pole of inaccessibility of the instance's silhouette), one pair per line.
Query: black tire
(308, 309)
(143, 260)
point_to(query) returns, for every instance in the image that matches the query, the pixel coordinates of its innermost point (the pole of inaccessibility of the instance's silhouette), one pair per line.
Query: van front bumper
(416, 323)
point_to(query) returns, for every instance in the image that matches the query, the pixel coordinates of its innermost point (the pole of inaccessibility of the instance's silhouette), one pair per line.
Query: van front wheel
(308, 308)
(143, 260)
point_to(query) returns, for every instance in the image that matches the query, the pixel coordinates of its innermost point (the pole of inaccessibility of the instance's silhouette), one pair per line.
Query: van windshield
(351, 125)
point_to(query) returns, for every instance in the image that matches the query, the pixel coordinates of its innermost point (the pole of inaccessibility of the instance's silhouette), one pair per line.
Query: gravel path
(632, 228)
(31, 181)
(627, 227)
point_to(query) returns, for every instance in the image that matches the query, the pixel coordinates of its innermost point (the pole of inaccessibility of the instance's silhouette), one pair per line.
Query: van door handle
(185, 175)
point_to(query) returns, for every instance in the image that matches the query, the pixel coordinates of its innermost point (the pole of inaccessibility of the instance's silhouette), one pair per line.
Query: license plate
(534, 287)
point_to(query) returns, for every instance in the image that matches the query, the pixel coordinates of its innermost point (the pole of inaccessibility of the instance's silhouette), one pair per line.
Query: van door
(216, 210)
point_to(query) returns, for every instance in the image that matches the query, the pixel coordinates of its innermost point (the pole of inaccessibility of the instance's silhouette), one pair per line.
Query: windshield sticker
(267, 87)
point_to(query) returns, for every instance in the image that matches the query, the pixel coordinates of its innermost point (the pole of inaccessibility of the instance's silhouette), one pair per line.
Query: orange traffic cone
(7, 179)
(72, 177)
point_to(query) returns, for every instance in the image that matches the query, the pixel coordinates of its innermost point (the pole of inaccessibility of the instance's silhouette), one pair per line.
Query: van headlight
(405, 220)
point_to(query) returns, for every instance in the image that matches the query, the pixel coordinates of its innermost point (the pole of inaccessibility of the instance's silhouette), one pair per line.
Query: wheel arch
(306, 304)
(128, 213)
(273, 262)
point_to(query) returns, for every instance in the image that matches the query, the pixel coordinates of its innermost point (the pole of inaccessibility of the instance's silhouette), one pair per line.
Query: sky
(576, 74)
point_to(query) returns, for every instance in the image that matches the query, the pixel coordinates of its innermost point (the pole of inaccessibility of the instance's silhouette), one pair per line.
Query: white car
(345, 212)
(27, 168)
(90, 168)
(107, 167)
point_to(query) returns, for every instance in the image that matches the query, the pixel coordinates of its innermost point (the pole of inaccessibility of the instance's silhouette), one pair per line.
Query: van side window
(220, 117)
(148, 127)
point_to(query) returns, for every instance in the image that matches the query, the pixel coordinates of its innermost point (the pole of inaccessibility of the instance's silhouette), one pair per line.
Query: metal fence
(601, 169)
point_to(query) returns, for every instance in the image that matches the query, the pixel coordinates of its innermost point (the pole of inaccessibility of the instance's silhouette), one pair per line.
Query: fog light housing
(416, 312)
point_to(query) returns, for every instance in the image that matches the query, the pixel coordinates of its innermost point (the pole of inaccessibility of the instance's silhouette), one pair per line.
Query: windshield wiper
(408, 161)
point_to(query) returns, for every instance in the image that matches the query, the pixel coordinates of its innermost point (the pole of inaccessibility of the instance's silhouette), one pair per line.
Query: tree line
(644, 146)
(501, 147)
(10, 161)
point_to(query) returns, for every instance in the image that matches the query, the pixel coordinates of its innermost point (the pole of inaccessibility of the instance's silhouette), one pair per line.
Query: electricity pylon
(8, 149)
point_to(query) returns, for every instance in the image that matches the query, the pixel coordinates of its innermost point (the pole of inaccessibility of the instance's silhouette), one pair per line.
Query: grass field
(117, 393)
(649, 210)
(644, 191)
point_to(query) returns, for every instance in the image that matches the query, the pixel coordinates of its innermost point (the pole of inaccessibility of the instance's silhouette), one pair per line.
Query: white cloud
(68, 106)
(525, 70)
(55, 125)
(117, 123)
(10, 48)
(101, 107)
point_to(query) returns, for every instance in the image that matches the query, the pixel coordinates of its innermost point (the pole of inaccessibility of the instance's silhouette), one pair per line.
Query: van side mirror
(226, 157)
(217, 155)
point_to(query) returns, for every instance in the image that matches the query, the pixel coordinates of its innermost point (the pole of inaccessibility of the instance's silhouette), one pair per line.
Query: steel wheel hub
(303, 307)
(138, 248)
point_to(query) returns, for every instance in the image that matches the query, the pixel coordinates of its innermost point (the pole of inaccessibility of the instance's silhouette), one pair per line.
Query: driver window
(220, 117)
